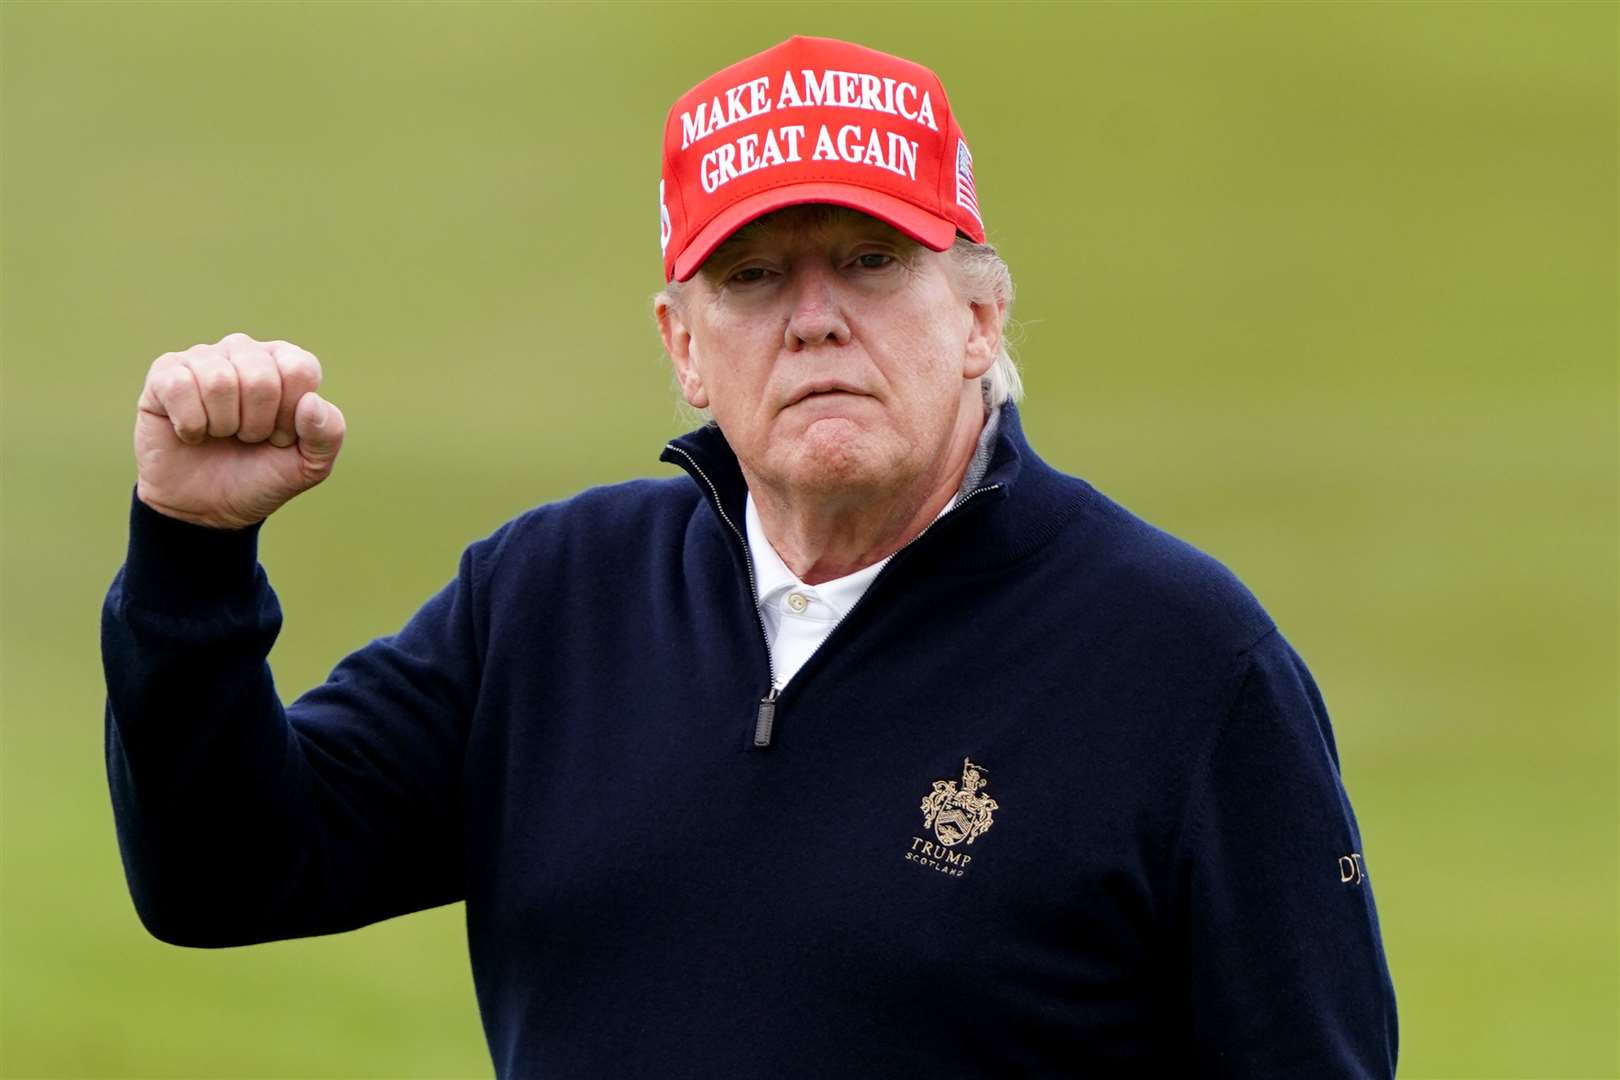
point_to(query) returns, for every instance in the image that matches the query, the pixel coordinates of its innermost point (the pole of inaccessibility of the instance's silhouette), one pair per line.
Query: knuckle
(236, 337)
(172, 381)
(302, 367)
(260, 385)
(200, 355)
(219, 382)
(252, 358)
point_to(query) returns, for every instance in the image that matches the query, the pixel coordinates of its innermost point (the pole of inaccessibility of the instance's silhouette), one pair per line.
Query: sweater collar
(1017, 505)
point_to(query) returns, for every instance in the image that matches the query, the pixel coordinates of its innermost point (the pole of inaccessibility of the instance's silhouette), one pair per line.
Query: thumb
(319, 427)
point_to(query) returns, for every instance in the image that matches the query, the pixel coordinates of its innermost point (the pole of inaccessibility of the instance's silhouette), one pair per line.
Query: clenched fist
(227, 433)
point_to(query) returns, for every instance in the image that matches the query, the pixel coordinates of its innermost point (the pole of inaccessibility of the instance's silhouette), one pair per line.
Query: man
(873, 746)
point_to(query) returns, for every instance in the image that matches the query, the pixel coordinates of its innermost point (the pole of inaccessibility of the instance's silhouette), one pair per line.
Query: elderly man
(875, 746)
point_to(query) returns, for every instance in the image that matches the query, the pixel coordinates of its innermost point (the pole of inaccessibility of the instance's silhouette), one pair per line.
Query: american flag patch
(967, 196)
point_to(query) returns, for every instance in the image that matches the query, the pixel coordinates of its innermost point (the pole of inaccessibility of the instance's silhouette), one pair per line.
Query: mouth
(823, 388)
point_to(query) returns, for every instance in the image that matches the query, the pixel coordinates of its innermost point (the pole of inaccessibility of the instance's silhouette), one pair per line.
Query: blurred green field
(1328, 290)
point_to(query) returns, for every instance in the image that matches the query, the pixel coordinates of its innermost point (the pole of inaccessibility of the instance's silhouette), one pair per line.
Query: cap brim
(930, 230)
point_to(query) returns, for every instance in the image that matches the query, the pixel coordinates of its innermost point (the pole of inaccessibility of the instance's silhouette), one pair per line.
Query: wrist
(211, 521)
(176, 565)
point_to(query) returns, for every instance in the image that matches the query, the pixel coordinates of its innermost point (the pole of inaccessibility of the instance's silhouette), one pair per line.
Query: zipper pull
(765, 719)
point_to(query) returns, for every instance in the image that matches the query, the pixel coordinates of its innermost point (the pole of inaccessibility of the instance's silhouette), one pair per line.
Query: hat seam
(680, 188)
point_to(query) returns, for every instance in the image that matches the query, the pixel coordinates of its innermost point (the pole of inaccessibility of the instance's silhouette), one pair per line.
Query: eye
(748, 275)
(873, 260)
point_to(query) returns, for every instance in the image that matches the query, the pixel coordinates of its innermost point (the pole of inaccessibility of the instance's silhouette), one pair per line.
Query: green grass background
(1328, 290)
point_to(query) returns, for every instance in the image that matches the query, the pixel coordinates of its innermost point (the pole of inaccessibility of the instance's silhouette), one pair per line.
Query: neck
(822, 536)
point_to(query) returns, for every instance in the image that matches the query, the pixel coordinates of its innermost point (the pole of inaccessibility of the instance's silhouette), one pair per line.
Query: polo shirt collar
(830, 600)
(1046, 500)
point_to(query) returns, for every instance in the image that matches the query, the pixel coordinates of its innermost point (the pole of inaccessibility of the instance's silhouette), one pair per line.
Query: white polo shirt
(799, 617)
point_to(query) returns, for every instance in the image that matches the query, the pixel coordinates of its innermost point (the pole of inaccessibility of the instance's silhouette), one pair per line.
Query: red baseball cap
(813, 120)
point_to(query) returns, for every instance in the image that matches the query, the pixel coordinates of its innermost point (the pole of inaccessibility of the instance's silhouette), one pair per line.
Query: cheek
(935, 327)
(933, 353)
(729, 352)
(736, 362)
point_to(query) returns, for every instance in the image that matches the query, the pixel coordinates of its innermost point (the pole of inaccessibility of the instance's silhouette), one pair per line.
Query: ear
(677, 338)
(984, 338)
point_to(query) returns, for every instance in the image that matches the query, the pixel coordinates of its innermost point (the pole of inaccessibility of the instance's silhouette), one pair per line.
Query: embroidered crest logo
(959, 815)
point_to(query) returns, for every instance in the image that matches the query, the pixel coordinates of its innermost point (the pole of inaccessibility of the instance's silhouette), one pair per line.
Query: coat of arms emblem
(959, 815)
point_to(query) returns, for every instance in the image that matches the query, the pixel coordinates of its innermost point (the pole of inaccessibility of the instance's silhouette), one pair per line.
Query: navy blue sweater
(1055, 799)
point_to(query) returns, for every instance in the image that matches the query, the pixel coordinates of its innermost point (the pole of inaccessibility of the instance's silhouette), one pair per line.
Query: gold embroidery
(959, 816)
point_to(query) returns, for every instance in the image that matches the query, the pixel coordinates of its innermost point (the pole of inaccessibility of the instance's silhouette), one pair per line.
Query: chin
(835, 454)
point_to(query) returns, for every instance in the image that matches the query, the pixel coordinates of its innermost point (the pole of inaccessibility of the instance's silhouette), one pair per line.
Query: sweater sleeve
(1287, 974)
(242, 821)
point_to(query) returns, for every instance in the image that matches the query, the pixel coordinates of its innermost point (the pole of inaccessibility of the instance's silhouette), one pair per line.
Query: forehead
(810, 223)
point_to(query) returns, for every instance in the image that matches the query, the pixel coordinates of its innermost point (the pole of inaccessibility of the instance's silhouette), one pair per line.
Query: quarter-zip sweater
(1055, 799)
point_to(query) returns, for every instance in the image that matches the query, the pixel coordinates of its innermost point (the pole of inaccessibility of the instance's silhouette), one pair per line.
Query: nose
(817, 315)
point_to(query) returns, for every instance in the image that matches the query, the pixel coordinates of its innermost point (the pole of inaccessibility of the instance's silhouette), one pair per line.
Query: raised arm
(240, 820)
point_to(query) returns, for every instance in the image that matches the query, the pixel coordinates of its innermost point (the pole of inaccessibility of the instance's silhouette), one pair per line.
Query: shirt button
(798, 602)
